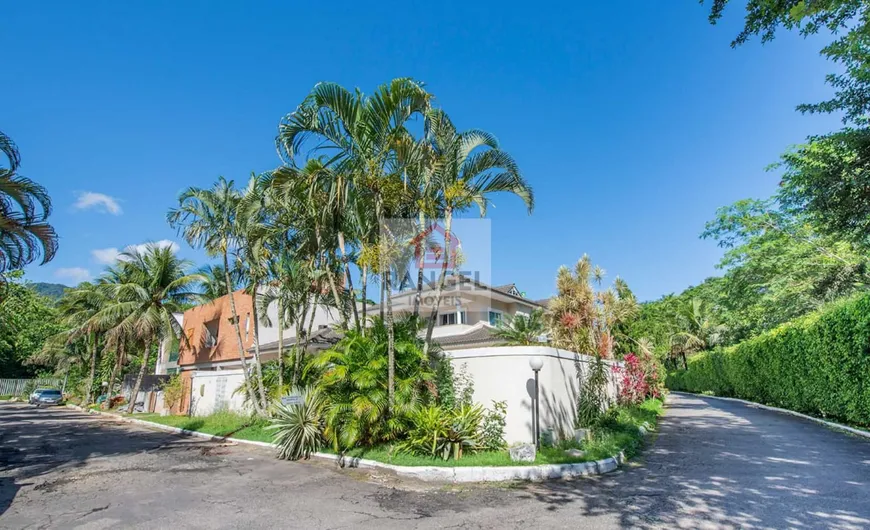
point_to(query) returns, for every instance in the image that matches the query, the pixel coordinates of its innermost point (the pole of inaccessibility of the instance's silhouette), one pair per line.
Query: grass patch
(618, 432)
(6, 397)
(220, 424)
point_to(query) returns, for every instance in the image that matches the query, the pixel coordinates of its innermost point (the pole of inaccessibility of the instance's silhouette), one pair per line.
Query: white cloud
(100, 201)
(108, 256)
(163, 243)
(76, 274)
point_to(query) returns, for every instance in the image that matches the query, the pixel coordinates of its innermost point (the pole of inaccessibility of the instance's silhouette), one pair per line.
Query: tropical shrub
(355, 385)
(173, 391)
(521, 330)
(592, 400)
(638, 378)
(443, 433)
(819, 364)
(492, 427)
(299, 428)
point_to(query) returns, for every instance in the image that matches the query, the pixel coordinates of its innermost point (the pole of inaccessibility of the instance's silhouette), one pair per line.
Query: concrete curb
(826, 423)
(424, 473)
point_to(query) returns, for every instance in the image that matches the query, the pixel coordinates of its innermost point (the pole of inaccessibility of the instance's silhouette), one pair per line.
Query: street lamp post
(536, 363)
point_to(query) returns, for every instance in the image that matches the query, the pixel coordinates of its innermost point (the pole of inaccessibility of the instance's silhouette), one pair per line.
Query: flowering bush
(639, 379)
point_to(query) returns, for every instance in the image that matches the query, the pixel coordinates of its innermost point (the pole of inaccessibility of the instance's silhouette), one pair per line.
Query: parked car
(46, 396)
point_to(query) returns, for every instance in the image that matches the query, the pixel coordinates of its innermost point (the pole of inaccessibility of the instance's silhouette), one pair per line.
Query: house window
(210, 333)
(494, 317)
(449, 319)
(247, 326)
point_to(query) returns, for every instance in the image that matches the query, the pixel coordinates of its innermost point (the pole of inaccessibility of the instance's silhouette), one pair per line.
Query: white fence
(16, 387)
(214, 391)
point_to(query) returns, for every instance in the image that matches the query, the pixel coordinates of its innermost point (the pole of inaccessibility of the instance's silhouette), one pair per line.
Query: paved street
(714, 464)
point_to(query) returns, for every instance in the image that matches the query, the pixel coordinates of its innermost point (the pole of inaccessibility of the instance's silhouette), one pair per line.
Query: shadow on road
(735, 466)
(34, 442)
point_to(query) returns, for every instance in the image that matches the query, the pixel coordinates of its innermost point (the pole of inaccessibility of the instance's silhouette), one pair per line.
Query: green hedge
(818, 365)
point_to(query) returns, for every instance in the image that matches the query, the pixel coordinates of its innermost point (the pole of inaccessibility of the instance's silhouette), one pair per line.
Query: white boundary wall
(215, 390)
(502, 373)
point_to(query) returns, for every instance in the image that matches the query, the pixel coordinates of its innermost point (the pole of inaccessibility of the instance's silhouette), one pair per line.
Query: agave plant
(299, 428)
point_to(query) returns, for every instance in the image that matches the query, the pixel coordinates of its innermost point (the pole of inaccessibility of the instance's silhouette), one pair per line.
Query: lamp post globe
(536, 363)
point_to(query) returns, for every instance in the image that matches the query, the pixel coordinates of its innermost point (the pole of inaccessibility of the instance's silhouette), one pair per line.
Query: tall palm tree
(157, 285)
(255, 230)
(207, 219)
(301, 192)
(290, 290)
(77, 307)
(360, 134)
(468, 168)
(25, 233)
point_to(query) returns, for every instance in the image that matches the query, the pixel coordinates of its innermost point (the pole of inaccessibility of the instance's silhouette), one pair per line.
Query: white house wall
(503, 374)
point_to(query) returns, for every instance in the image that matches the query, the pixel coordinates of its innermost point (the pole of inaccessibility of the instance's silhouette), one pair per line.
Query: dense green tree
(27, 319)
(828, 178)
(849, 20)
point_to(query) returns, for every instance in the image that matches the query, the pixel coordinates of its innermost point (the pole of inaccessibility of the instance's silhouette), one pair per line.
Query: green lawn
(6, 397)
(221, 424)
(618, 433)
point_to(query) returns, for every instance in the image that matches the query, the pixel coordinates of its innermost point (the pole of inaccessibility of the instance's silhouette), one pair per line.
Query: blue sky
(632, 123)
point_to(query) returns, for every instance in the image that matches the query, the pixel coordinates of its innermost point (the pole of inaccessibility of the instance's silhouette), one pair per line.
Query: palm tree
(358, 410)
(290, 290)
(468, 168)
(207, 219)
(698, 330)
(301, 196)
(24, 209)
(214, 284)
(77, 307)
(157, 285)
(255, 232)
(522, 330)
(360, 134)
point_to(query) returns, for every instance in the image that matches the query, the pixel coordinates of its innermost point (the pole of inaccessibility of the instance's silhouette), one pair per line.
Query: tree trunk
(391, 346)
(349, 281)
(433, 316)
(382, 297)
(235, 320)
(365, 303)
(325, 264)
(93, 368)
(258, 366)
(280, 345)
(119, 361)
(419, 296)
(142, 369)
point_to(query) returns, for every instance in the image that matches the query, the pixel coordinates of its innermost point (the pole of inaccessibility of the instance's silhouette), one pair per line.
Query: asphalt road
(714, 464)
